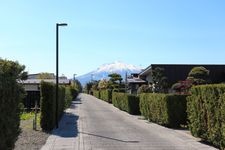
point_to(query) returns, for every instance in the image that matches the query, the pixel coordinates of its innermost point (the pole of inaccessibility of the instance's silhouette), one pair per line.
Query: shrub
(126, 102)
(68, 97)
(164, 109)
(11, 94)
(74, 92)
(144, 89)
(96, 93)
(199, 75)
(61, 101)
(106, 95)
(205, 110)
(48, 105)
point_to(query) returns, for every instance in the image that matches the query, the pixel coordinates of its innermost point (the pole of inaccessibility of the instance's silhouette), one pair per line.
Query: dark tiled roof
(38, 81)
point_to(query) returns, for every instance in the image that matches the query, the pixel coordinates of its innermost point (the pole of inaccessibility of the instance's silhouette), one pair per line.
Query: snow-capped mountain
(103, 71)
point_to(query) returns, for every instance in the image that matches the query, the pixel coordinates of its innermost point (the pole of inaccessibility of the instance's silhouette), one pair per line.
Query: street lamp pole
(74, 77)
(57, 71)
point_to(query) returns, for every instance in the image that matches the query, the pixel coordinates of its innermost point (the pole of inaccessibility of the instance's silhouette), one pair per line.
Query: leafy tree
(11, 94)
(199, 75)
(103, 84)
(115, 82)
(46, 75)
(76, 85)
(159, 80)
(88, 87)
(115, 77)
(92, 85)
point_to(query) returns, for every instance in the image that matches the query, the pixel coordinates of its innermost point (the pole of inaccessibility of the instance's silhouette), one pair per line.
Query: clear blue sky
(139, 32)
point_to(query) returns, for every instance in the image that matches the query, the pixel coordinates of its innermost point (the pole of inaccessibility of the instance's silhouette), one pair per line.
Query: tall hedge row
(106, 95)
(96, 93)
(74, 92)
(206, 113)
(68, 96)
(126, 102)
(11, 94)
(48, 104)
(164, 109)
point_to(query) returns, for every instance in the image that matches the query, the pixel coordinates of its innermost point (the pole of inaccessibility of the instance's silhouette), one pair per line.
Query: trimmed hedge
(74, 92)
(61, 101)
(68, 96)
(126, 102)
(206, 113)
(96, 93)
(11, 94)
(106, 95)
(48, 105)
(164, 109)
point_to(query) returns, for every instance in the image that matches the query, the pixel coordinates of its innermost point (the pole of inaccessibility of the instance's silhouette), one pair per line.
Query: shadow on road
(67, 126)
(105, 137)
(68, 123)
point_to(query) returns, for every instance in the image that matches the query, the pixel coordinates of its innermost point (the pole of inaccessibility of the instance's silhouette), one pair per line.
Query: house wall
(176, 73)
(31, 87)
(149, 78)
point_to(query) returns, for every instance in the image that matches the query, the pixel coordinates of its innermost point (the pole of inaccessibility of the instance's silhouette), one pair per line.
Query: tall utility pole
(57, 71)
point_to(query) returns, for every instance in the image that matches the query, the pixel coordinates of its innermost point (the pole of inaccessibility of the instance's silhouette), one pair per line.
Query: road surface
(92, 124)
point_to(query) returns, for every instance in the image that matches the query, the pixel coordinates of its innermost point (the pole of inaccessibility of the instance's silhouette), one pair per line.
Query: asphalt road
(92, 124)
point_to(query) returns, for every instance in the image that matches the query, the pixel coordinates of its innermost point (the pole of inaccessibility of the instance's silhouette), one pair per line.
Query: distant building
(37, 76)
(134, 83)
(179, 72)
(32, 88)
(34, 84)
(174, 73)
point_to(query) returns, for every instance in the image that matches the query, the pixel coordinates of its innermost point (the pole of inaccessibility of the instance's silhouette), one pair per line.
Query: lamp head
(61, 24)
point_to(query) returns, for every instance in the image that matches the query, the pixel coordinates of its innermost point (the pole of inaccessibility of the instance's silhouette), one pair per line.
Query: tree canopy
(199, 75)
(159, 80)
(115, 77)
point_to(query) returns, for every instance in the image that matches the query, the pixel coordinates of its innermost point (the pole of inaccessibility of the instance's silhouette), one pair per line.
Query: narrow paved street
(92, 124)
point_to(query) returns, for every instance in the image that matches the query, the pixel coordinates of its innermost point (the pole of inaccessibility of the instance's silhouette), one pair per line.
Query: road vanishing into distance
(92, 124)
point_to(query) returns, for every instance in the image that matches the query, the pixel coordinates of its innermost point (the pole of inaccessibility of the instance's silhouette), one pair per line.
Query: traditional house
(179, 72)
(134, 83)
(32, 88)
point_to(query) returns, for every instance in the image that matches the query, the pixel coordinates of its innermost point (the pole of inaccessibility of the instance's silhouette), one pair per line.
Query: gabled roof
(135, 80)
(146, 71)
(38, 81)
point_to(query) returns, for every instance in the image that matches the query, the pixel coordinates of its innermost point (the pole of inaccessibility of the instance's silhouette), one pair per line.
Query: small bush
(126, 102)
(164, 109)
(106, 95)
(206, 113)
(144, 89)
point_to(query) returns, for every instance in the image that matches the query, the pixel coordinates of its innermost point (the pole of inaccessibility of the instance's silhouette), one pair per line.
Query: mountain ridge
(104, 70)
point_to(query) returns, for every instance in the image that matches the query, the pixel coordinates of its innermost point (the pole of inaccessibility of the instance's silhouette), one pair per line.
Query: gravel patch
(30, 139)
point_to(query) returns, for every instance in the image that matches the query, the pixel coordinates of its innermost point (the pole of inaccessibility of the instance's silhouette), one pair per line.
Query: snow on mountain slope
(103, 71)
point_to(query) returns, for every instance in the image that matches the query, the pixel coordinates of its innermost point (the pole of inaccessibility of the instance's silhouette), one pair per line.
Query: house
(179, 72)
(32, 88)
(134, 83)
(37, 76)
